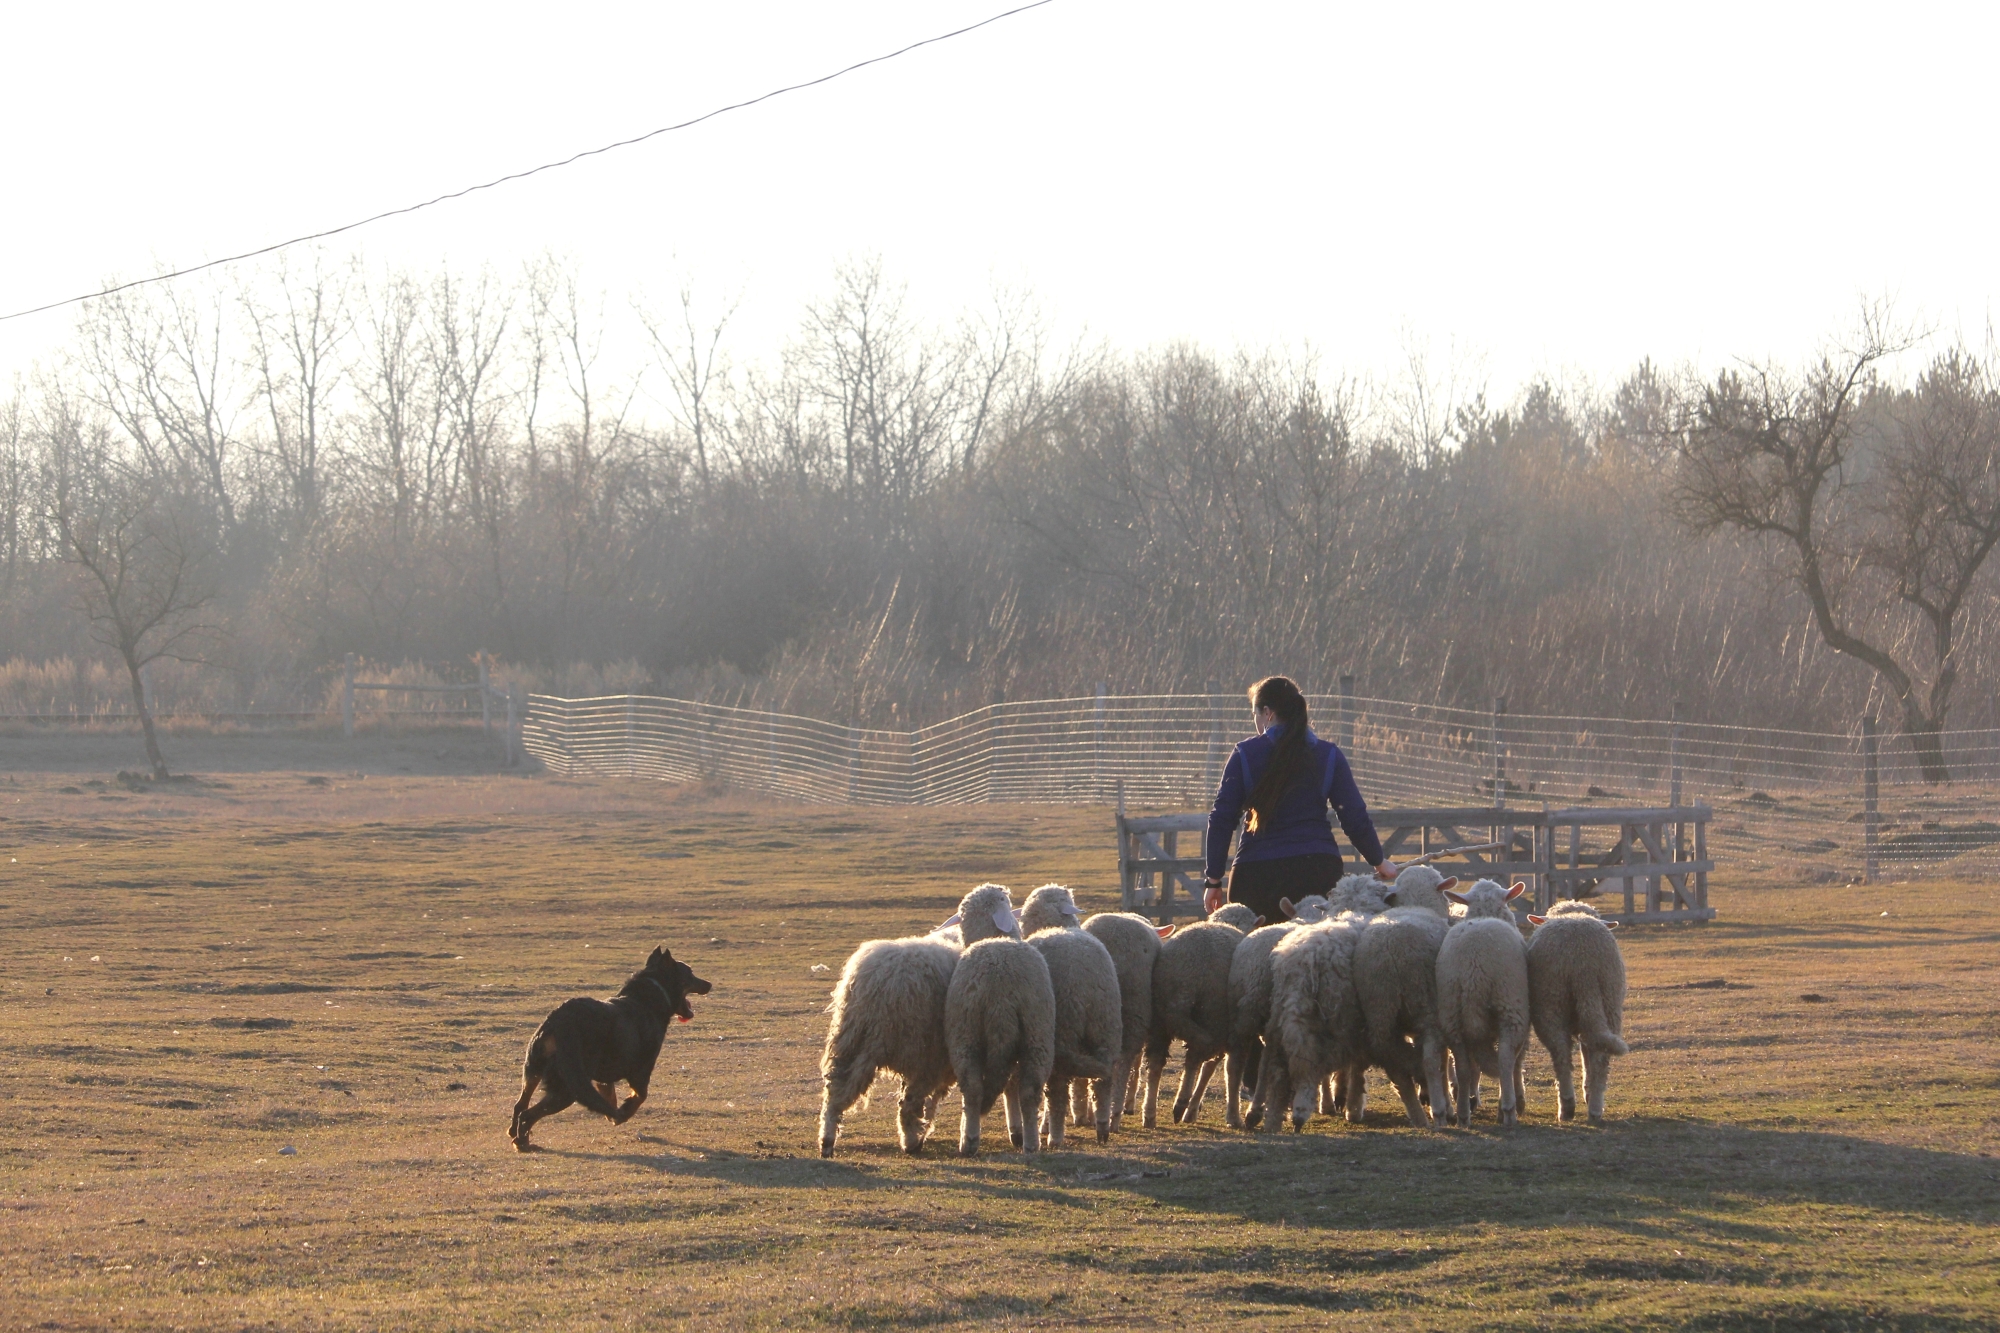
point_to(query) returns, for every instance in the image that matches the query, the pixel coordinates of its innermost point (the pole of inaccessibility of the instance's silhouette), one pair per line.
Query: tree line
(891, 520)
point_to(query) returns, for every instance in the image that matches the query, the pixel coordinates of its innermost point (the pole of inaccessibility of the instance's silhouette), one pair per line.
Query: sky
(1526, 189)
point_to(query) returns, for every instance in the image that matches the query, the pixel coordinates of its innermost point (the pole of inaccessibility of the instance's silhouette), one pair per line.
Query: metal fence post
(1097, 743)
(485, 696)
(1347, 714)
(347, 701)
(631, 740)
(1871, 801)
(1499, 759)
(853, 763)
(1211, 768)
(513, 731)
(1674, 780)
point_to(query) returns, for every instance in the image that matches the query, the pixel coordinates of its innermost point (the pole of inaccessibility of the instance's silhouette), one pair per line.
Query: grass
(192, 988)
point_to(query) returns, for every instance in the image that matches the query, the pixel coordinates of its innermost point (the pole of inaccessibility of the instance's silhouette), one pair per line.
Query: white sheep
(1420, 886)
(1482, 991)
(999, 1021)
(1395, 976)
(1134, 945)
(1240, 915)
(1088, 1038)
(1576, 996)
(1191, 1005)
(1315, 1026)
(1366, 894)
(888, 1014)
(1250, 1001)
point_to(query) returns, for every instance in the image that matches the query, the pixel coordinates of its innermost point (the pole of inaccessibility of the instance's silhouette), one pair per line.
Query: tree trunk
(1927, 737)
(153, 755)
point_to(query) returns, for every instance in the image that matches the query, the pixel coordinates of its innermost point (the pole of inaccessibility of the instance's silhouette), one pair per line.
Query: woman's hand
(1212, 897)
(1387, 871)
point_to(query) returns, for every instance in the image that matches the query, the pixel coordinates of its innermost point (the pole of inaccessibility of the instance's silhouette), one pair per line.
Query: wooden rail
(1557, 852)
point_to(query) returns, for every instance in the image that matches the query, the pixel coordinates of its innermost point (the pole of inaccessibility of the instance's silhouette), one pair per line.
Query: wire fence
(1789, 799)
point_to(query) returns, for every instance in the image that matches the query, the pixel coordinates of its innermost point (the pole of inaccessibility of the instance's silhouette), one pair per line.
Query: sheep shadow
(1639, 1174)
(1642, 1174)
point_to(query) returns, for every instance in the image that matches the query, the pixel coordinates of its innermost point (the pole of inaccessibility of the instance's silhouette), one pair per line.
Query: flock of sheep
(1413, 978)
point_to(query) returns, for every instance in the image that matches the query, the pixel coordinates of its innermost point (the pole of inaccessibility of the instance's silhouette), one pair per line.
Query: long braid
(1283, 698)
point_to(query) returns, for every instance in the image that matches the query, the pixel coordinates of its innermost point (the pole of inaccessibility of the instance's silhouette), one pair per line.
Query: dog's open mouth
(685, 1011)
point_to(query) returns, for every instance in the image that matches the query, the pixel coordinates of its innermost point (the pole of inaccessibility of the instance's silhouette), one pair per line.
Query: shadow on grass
(1643, 1175)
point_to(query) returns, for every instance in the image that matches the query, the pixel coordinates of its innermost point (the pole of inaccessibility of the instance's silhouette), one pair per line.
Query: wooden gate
(1656, 858)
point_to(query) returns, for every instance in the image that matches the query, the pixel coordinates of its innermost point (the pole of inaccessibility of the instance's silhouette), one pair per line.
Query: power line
(531, 171)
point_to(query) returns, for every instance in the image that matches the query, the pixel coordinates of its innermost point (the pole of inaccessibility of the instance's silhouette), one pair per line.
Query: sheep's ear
(1458, 898)
(1534, 920)
(1005, 922)
(1164, 931)
(1446, 885)
(1520, 887)
(1260, 921)
(950, 921)
(1611, 925)
(1285, 906)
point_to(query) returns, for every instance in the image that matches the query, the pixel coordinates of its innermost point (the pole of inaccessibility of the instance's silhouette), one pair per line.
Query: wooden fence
(1656, 859)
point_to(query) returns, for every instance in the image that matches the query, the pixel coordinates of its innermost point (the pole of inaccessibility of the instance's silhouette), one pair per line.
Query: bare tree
(297, 344)
(1869, 523)
(139, 548)
(689, 354)
(163, 369)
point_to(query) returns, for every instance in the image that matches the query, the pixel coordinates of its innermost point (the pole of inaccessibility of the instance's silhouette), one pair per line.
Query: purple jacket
(1299, 825)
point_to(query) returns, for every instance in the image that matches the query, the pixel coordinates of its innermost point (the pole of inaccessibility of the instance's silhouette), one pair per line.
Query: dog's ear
(660, 956)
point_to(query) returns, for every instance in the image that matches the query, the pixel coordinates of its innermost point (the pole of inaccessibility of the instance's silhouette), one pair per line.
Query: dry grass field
(263, 1031)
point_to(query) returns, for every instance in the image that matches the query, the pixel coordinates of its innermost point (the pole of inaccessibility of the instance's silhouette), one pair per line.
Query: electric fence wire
(523, 175)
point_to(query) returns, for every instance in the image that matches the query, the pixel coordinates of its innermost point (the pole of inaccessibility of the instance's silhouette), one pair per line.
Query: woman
(1280, 782)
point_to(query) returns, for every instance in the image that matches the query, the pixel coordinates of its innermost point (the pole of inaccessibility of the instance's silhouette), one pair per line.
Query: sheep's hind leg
(1194, 1087)
(1406, 1088)
(1596, 1073)
(1467, 1074)
(1079, 1101)
(1509, 1073)
(1156, 1063)
(1562, 1054)
(1353, 1098)
(1235, 1067)
(1012, 1098)
(1057, 1111)
(1129, 1098)
(968, 1116)
(1437, 1092)
(844, 1085)
(1026, 1097)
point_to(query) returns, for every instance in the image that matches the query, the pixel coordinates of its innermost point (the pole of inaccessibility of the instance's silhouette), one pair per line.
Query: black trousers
(1259, 884)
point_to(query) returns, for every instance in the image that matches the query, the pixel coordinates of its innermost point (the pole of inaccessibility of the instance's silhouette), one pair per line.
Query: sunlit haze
(1528, 190)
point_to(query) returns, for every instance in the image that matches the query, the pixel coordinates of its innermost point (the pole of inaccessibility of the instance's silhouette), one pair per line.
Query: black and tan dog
(582, 1049)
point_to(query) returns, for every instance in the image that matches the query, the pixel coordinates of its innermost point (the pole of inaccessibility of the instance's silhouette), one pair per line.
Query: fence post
(1499, 760)
(1674, 780)
(1097, 744)
(631, 740)
(1347, 714)
(347, 701)
(770, 749)
(1211, 768)
(485, 697)
(1871, 801)
(853, 763)
(513, 731)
